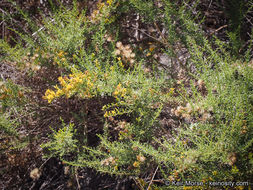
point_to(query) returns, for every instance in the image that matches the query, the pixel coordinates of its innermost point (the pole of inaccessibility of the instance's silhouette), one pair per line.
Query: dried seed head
(66, 170)
(185, 115)
(109, 39)
(110, 159)
(180, 108)
(171, 178)
(232, 158)
(206, 116)
(135, 148)
(132, 55)
(122, 124)
(117, 52)
(113, 162)
(127, 47)
(127, 54)
(35, 174)
(131, 61)
(105, 162)
(200, 83)
(147, 70)
(141, 158)
(244, 130)
(155, 56)
(177, 113)
(151, 29)
(37, 67)
(27, 64)
(119, 45)
(202, 111)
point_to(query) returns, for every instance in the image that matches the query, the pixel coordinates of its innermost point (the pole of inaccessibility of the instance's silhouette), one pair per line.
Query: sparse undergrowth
(210, 97)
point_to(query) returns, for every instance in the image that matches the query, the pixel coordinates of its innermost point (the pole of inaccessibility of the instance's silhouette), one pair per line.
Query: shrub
(214, 139)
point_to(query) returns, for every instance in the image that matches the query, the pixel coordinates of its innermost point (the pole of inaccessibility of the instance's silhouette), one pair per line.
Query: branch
(152, 178)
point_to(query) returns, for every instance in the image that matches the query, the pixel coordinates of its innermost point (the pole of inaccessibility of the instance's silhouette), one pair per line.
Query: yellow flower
(109, 2)
(148, 54)
(62, 81)
(141, 158)
(121, 64)
(69, 87)
(123, 92)
(49, 92)
(151, 48)
(119, 86)
(100, 5)
(136, 164)
(59, 92)
(106, 114)
(49, 95)
(188, 187)
(60, 54)
(115, 93)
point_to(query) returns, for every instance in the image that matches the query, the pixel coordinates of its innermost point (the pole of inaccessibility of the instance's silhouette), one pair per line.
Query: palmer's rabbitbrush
(210, 98)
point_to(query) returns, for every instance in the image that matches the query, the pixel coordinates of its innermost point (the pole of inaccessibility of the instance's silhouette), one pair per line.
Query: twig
(3, 27)
(8, 14)
(138, 184)
(210, 4)
(42, 28)
(220, 28)
(152, 178)
(44, 163)
(161, 34)
(149, 36)
(77, 181)
(249, 20)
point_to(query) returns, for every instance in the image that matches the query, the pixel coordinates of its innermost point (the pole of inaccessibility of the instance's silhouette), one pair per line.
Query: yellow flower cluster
(49, 95)
(119, 91)
(109, 2)
(140, 159)
(109, 113)
(69, 85)
(151, 49)
(103, 10)
(59, 58)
